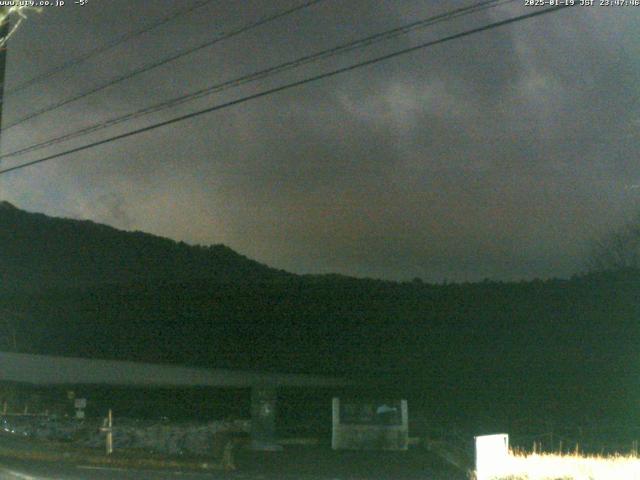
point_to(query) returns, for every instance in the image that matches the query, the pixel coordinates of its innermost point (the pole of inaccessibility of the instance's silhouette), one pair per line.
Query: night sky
(500, 155)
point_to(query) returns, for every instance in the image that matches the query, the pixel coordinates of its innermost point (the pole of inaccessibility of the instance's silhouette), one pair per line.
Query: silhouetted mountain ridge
(41, 252)
(563, 350)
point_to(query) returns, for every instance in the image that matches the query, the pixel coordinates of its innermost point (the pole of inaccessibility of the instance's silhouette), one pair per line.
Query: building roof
(50, 370)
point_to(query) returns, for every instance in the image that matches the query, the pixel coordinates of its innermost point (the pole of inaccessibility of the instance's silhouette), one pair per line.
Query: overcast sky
(499, 155)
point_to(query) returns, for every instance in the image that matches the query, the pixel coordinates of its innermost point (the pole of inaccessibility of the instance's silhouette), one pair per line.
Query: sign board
(370, 425)
(80, 403)
(492, 455)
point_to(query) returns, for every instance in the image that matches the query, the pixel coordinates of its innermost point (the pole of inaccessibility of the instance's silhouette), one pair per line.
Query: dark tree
(618, 250)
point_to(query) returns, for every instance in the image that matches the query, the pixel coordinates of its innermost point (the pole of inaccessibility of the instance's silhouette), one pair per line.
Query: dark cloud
(500, 155)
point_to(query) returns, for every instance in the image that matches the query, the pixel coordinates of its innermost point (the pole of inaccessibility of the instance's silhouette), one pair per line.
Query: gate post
(263, 418)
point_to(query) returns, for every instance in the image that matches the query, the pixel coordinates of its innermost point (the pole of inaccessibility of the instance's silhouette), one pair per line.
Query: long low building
(43, 370)
(50, 370)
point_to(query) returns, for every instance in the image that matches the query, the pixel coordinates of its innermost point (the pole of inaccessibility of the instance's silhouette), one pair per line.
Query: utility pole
(4, 31)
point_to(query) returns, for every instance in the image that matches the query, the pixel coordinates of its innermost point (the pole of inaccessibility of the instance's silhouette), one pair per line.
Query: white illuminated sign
(492, 456)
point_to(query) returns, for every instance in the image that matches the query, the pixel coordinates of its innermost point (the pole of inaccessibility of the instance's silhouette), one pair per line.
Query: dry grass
(555, 466)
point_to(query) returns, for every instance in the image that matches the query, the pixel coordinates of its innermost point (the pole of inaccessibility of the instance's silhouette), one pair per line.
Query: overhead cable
(103, 48)
(261, 74)
(162, 61)
(298, 83)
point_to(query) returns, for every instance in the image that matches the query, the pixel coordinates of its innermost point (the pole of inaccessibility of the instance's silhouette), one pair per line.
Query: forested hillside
(564, 349)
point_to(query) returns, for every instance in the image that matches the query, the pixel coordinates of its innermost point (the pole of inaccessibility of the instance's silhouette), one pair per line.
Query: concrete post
(263, 418)
(107, 427)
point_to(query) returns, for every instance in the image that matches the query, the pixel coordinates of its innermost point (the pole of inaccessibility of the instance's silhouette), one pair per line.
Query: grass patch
(575, 466)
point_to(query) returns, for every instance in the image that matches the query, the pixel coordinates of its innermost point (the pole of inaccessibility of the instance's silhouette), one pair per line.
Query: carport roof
(51, 370)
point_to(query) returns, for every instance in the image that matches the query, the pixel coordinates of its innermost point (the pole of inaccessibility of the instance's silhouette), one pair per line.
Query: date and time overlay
(526, 3)
(42, 3)
(582, 3)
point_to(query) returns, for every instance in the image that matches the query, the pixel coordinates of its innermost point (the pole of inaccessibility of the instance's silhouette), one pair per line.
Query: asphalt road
(293, 463)
(11, 469)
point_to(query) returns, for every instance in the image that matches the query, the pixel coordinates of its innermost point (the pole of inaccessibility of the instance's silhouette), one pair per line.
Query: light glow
(496, 461)
(7, 13)
(492, 456)
(553, 466)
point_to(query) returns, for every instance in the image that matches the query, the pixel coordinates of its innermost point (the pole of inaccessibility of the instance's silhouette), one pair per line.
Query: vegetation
(618, 250)
(42, 253)
(556, 466)
(491, 355)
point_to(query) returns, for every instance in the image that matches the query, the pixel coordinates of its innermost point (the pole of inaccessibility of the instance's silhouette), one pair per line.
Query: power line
(287, 86)
(261, 74)
(104, 48)
(164, 61)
